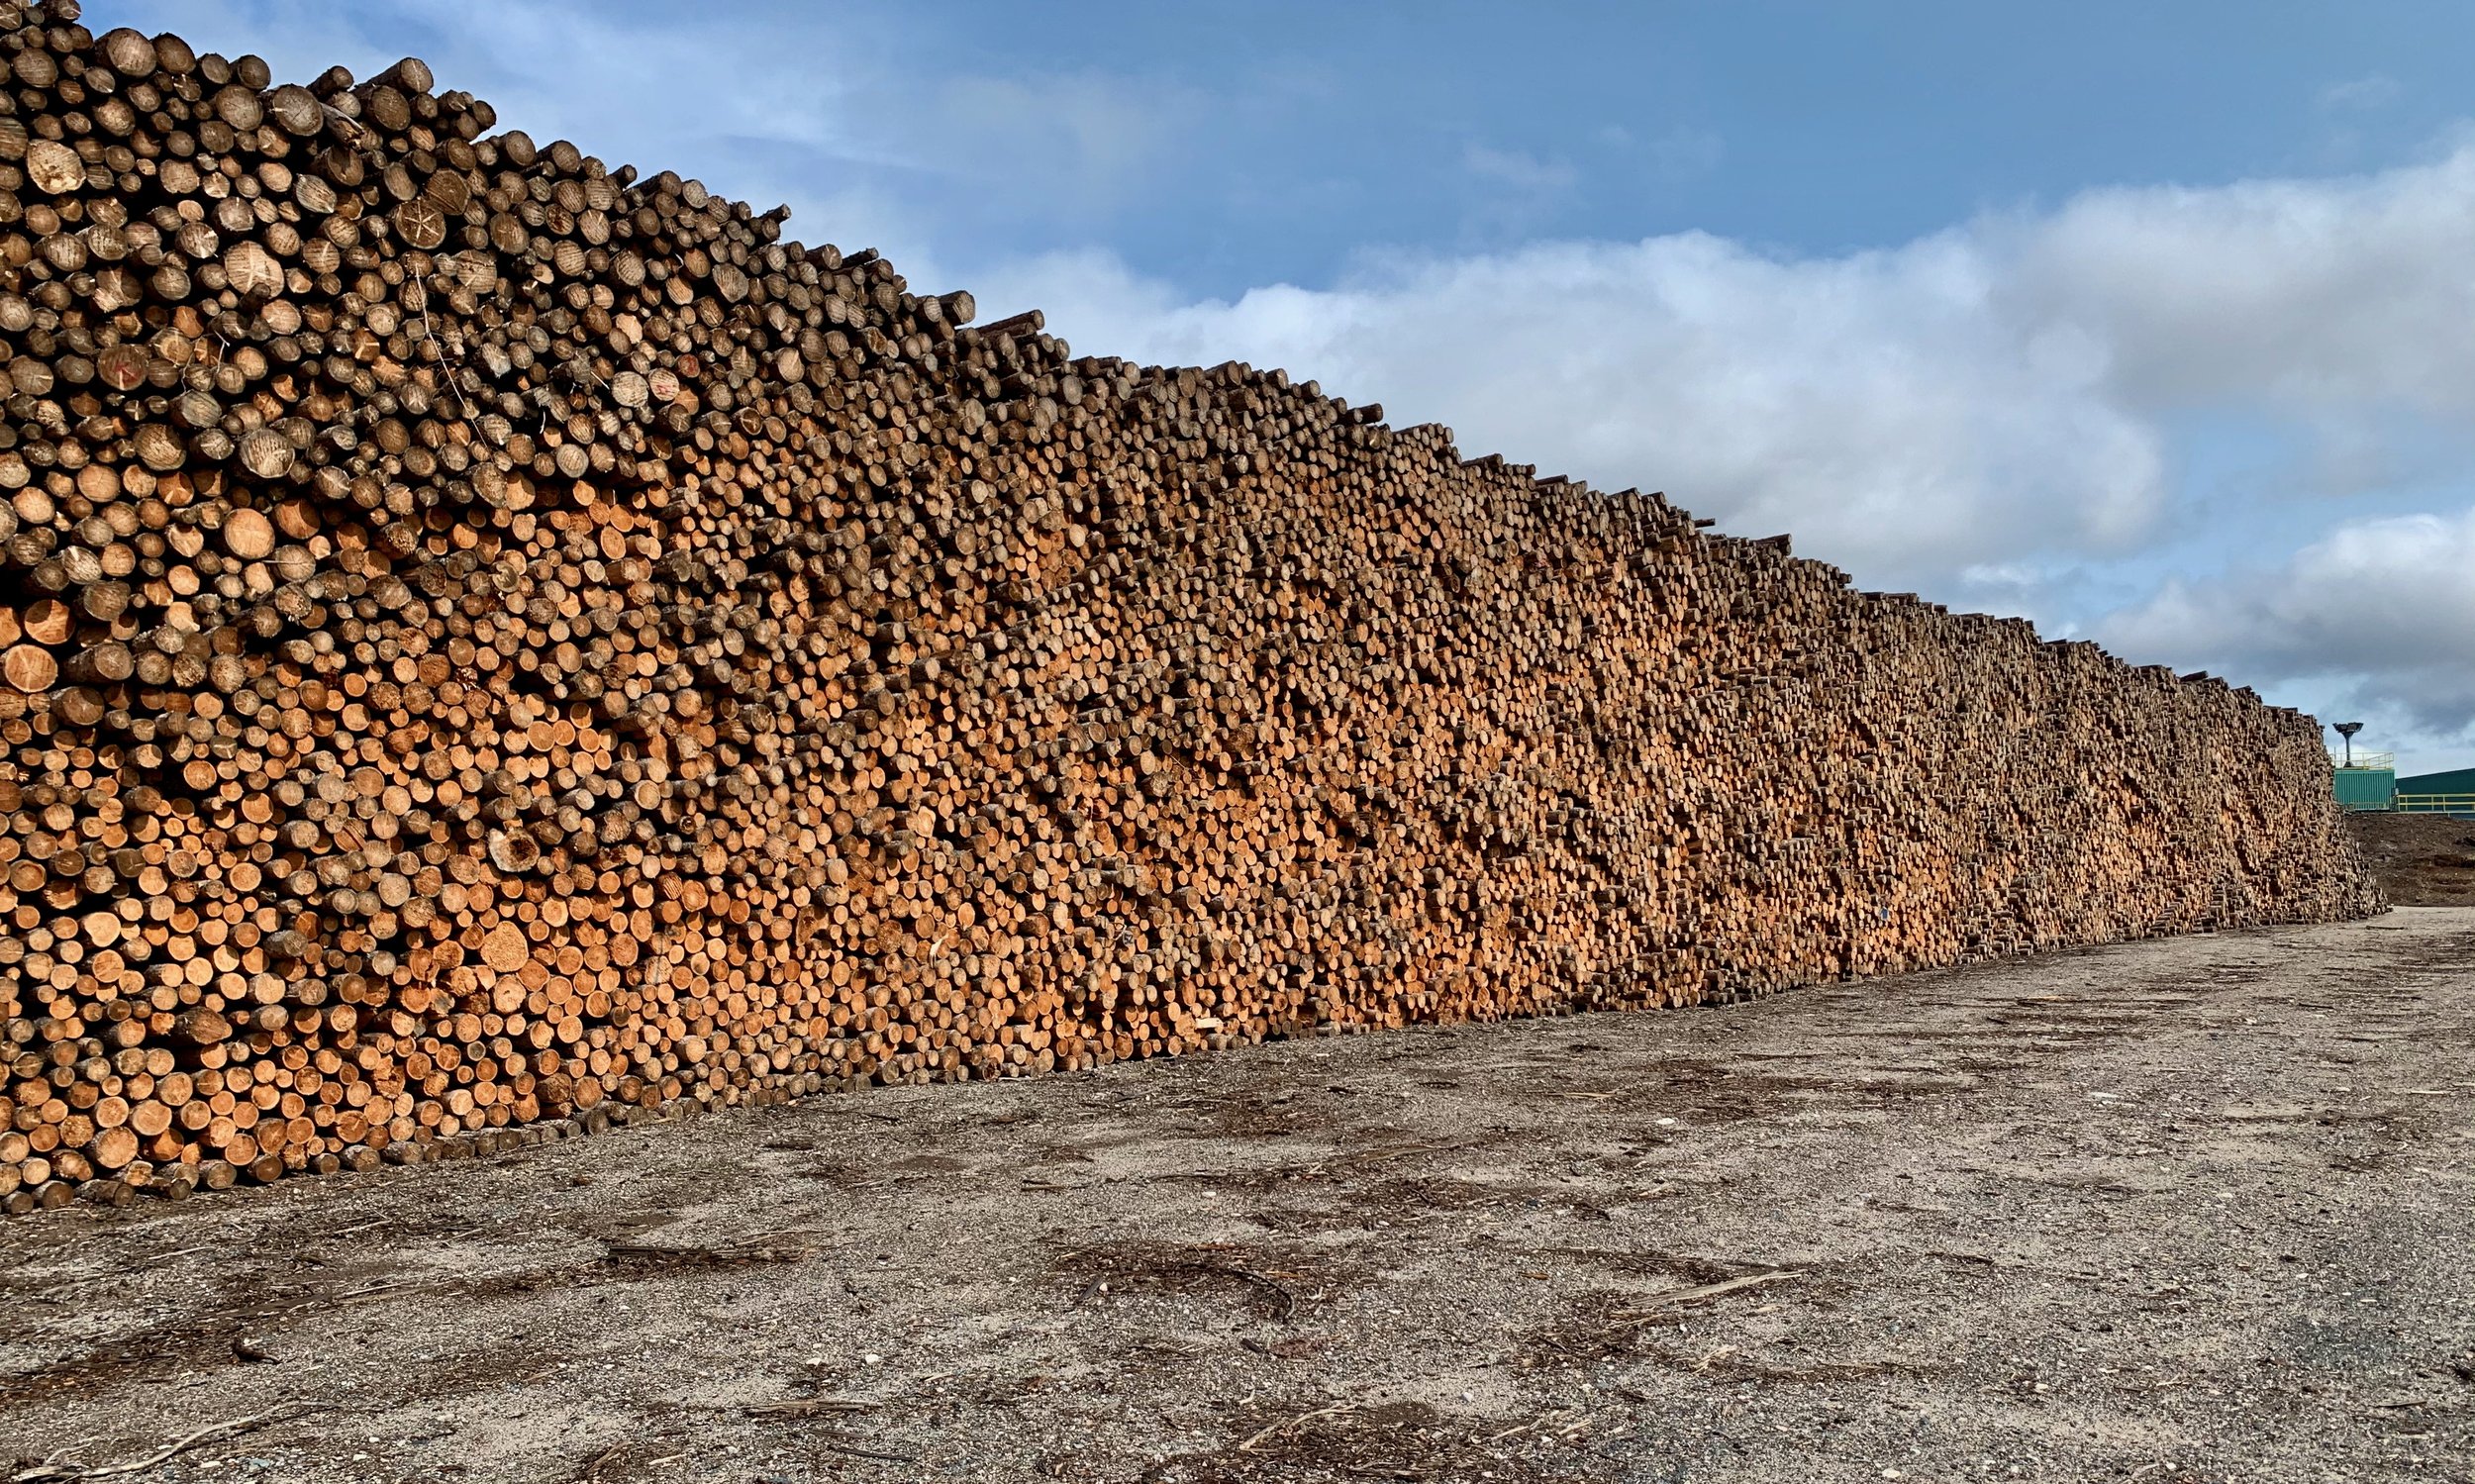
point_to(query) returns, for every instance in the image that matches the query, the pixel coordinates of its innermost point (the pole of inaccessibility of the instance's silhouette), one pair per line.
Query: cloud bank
(2381, 611)
(1997, 393)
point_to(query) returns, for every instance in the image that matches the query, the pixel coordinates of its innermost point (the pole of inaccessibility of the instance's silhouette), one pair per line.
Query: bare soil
(2192, 1210)
(2421, 859)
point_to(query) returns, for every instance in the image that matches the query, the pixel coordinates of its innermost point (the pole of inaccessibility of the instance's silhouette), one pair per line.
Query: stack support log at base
(486, 639)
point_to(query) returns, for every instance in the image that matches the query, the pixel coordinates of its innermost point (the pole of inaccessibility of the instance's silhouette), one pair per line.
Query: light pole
(2348, 730)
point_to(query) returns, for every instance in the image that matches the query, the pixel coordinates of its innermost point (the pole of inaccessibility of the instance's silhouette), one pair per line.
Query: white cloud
(1073, 142)
(1989, 413)
(2380, 612)
(1684, 152)
(2374, 90)
(1512, 190)
(1519, 170)
(1999, 393)
(1875, 405)
(2312, 298)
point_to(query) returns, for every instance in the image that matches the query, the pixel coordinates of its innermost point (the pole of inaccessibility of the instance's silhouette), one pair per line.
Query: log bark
(490, 639)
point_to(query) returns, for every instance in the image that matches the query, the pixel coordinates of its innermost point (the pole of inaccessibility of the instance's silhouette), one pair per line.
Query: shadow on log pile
(488, 635)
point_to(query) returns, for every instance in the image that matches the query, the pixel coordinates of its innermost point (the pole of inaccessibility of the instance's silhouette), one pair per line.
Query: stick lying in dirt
(1675, 1295)
(1251, 1443)
(855, 1452)
(70, 1473)
(1288, 1299)
(809, 1407)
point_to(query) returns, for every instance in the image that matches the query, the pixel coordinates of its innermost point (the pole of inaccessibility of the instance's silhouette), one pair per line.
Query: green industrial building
(2451, 792)
(2371, 785)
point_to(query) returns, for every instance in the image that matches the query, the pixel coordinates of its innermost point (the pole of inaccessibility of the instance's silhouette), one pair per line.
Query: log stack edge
(491, 641)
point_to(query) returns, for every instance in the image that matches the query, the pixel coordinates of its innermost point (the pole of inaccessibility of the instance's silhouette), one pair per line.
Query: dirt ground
(2422, 860)
(2195, 1210)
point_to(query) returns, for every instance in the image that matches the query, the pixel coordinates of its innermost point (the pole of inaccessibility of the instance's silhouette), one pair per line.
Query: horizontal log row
(489, 636)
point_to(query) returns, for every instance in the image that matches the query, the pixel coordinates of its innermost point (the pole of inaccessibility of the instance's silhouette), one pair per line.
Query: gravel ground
(2194, 1210)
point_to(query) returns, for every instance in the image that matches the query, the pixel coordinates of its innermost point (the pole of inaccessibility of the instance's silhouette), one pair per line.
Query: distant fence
(2450, 804)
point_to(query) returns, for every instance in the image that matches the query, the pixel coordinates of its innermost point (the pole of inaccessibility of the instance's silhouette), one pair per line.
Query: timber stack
(490, 639)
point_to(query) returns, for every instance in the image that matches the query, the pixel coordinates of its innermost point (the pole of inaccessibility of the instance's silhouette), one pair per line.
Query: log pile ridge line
(491, 640)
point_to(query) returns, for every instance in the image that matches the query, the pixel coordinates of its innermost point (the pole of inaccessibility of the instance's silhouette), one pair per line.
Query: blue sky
(2148, 321)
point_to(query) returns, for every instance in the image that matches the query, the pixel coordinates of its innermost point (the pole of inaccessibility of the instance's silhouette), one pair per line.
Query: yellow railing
(2433, 803)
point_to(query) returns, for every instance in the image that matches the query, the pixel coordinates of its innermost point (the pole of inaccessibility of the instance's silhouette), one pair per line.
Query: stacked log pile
(489, 639)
